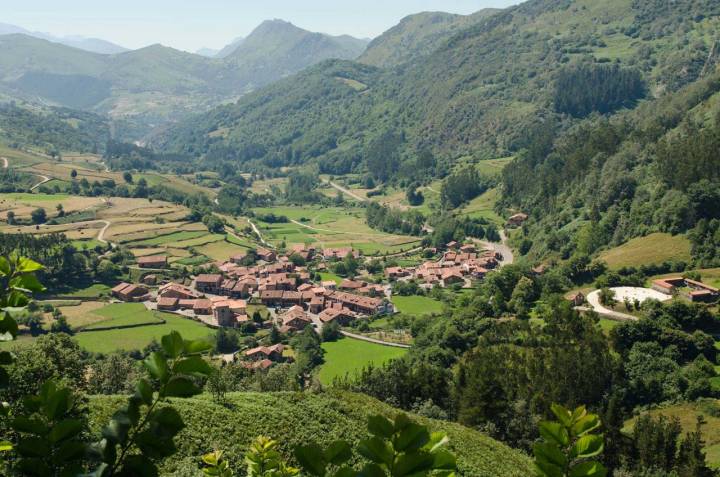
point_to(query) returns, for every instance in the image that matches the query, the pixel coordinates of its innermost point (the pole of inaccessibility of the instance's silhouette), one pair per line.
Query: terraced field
(330, 227)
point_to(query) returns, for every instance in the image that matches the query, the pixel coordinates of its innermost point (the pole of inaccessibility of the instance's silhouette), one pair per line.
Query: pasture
(129, 339)
(348, 356)
(651, 249)
(329, 227)
(417, 305)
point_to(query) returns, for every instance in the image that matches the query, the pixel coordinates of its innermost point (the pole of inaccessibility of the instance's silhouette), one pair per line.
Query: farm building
(154, 261)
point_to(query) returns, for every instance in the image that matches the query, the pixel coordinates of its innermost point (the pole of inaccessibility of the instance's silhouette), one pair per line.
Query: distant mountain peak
(93, 45)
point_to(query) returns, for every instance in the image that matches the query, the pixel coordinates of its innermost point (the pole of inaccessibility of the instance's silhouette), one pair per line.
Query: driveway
(631, 293)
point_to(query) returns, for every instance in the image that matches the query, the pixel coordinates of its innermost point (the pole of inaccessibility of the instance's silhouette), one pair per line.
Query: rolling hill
(417, 35)
(157, 83)
(93, 45)
(299, 418)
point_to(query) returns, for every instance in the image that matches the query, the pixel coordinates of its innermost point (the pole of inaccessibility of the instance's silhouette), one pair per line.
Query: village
(294, 295)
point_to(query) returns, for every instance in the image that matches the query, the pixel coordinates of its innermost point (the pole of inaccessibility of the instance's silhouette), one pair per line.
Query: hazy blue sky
(191, 24)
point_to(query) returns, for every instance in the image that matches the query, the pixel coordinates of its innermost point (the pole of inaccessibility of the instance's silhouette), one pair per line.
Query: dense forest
(58, 129)
(608, 180)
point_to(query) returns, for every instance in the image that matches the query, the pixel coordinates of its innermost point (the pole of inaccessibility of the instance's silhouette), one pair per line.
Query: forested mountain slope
(417, 35)
(478, 94)
(607, 180)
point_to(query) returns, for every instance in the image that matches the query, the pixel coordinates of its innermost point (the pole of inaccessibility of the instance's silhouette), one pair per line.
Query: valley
(475, 220)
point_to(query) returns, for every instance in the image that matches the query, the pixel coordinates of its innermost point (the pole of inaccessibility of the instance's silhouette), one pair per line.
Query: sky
(193, 24)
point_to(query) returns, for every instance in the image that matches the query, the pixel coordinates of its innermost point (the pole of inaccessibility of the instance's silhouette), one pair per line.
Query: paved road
(257, 232)
(502, 248)
(331, 231)
(593, 299)
(5, 162)
(373, 340)
(44, 180)
(345, 191)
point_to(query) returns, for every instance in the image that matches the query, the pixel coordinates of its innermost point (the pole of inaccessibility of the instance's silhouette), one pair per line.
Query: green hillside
(158, 83)
(417, 35)
(300, 418)
(477, 95)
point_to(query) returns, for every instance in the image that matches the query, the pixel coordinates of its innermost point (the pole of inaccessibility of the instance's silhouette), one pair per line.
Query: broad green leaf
(588, 469)
(401, 420)
(5, 446)
(551, 453)
(311, 459)
(585, 424)
(30, 426)
(70, 451)
(17, 299)
(65, 429)
(437, 441)
(144, 391)
(554, 432)
(375, 450)
(338, 452)
(139, 466)
(578, 413)
(444, 459)
(180, 386)
(563, 415)
(372, 470)
(25, 265)
(8, 327)
(33, 447)
(546, 469)
(4, 267)
(412, 462)
(152, 446)
(197, 346)
(194, 365)
(156, 366)
(587, 446)
(380, 426)
(117, 429)
(6, 358)
(168, 421)
(172, 344)
(58, 403)
(27, 282)
(412, 437)
(212, 458)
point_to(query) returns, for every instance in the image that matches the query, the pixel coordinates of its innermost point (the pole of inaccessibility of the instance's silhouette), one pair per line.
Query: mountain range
(93, 45)
(156, 83)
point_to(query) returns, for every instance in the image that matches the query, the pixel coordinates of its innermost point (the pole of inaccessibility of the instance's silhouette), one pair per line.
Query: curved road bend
(593, 299)
(5, 162)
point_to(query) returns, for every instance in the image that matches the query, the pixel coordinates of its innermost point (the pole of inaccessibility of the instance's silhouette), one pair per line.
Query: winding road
(44, 180)
(5, 162)
(373, 340)
(257, 232)
(346, 191)
(502, 248)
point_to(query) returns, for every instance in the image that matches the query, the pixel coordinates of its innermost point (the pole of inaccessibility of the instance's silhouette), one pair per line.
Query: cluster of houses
(693, 290)
(459, 264)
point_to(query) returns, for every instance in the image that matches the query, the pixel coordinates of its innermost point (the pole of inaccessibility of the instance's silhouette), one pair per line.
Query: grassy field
(123, 314)
(346, 356)
(138, 338)
(687, 414)
(483, 206)
(327, 276)
(329, 227)
(94, 290)
(417, 305)
(653, 248)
